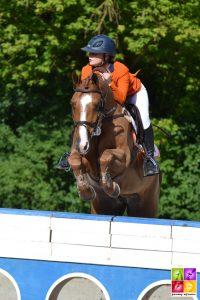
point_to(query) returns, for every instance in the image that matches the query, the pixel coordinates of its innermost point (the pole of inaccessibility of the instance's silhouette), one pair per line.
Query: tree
(180, 169)
(28, 178)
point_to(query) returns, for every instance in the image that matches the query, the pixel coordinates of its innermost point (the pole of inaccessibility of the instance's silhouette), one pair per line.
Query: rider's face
(96, 59)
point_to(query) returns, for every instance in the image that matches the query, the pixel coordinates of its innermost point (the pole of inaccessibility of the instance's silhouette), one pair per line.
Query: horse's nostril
(86, 147)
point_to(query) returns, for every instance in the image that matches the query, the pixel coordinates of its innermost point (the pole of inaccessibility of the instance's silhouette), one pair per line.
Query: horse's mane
(100, 83)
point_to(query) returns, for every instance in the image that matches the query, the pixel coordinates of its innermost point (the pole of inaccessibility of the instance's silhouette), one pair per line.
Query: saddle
(139, 130)
(137, 122)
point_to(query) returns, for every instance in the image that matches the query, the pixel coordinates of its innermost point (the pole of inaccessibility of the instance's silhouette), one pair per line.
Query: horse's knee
(77, 163)
(74, 161)
(105, 158)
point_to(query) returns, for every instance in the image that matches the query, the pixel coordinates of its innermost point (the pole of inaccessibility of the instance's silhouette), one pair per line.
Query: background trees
(40, 46)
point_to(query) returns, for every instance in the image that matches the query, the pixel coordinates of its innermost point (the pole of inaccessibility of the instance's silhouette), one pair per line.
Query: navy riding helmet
(101, 44)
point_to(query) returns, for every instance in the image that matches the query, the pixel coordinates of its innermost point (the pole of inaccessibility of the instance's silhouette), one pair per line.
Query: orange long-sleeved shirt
(123, 82)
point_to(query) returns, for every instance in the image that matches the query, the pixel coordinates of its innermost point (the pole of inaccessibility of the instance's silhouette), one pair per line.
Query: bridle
(102, 113)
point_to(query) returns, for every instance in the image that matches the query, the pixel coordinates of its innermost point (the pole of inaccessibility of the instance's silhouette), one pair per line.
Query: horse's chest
(112, 136)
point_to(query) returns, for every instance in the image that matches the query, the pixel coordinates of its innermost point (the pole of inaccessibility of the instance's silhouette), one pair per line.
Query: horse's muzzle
(82, 148)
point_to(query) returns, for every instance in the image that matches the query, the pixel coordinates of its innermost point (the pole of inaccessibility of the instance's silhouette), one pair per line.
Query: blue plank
(81, 216)
(65, 215)
(26, 212)
(157, 221)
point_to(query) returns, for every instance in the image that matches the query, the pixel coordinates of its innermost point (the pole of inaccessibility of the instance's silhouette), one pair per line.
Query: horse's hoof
(88, 195)
(115, 194)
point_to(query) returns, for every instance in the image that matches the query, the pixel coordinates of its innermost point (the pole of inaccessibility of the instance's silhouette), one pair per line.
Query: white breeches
(141, 100)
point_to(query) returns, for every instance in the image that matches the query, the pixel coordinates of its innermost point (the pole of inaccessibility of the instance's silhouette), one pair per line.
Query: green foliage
(38, 42)
(40, 47)
(162, 37)
(180, 166)
(41, 41)
(27, 167)
(28, 178)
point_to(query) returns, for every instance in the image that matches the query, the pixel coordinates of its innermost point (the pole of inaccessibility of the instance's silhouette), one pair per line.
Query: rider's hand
(106, 75)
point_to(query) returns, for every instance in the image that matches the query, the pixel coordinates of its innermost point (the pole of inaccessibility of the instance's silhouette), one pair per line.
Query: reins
(107, 118)
(88, 91)
(163, 131)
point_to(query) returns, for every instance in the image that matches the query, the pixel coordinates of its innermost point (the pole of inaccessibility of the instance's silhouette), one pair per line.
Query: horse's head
(89, 105)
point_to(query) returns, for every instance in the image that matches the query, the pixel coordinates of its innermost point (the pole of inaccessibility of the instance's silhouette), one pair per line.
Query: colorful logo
(189, 286)
(190, 274)
(183, 281)
(177, 273)
(177, 286)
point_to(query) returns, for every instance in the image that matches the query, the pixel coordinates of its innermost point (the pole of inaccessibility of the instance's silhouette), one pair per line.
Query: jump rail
(125, 257)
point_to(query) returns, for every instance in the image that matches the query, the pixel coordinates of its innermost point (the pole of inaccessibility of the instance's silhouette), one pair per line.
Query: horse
(105, 161)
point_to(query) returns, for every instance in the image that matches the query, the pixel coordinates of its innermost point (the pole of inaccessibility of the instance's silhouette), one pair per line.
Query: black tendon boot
(150, 166)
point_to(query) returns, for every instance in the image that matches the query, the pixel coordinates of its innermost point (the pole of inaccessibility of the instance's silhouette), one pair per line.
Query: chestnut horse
(107, 165)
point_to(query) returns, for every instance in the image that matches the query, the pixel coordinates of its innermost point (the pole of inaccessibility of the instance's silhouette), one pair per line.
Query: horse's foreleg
(112, 163)
(85, 190)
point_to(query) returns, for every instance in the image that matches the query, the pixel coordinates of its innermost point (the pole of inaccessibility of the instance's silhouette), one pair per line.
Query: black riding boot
(150, 165)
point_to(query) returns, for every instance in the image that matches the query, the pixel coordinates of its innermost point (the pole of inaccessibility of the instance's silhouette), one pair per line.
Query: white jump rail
(103, 240)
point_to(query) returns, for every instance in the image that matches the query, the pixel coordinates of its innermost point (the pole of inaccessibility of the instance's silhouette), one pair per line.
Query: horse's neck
(110, 102)
(119, 109)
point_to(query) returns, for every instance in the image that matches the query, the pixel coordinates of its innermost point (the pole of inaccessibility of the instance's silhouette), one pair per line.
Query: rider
(126, 87)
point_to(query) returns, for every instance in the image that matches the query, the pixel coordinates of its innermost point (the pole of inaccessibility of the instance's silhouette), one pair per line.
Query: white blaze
(84, 142)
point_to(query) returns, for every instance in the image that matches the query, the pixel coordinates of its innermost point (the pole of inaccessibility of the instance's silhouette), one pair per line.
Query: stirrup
(63, 162)
(150, 167)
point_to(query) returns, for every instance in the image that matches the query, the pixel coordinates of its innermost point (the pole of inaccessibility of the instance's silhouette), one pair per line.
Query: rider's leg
(150, 165)
(140, 99)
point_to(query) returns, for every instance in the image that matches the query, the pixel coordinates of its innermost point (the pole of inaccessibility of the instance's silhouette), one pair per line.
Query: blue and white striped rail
(125, 257)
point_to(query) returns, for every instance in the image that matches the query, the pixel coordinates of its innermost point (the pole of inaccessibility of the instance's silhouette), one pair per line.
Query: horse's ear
(95, 79)
(76, 79)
